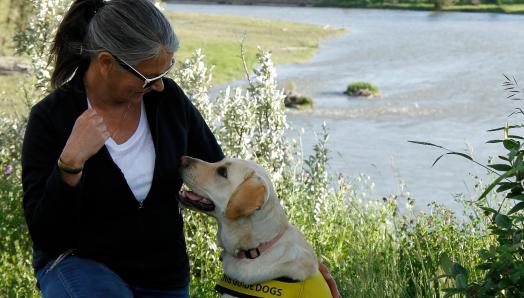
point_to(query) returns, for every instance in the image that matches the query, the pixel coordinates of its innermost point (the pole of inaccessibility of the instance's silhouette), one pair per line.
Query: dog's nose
(185, 161)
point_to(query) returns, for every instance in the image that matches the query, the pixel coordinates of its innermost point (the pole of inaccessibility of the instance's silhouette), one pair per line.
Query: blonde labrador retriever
(259, 244)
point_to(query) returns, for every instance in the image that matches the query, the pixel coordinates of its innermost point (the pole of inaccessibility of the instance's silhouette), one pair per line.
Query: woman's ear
(105, 63)
(247, 198)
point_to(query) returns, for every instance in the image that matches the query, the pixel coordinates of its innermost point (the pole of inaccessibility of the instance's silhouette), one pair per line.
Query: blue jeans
(79, 277)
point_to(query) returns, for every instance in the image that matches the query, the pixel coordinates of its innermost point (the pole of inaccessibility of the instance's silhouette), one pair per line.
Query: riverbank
(492, 8)
(428, 5)
(220, 37)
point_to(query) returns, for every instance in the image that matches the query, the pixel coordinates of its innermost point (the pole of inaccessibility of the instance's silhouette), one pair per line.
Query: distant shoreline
(250, 2)
(490, 8)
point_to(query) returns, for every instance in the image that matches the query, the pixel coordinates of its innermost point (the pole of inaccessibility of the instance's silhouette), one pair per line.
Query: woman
(101, 156)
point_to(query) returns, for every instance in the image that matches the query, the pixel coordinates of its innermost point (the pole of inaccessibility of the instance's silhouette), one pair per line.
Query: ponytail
(133, 30)
(67, 52)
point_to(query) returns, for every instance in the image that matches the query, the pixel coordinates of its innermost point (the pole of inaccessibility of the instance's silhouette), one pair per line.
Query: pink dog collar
(254, 253)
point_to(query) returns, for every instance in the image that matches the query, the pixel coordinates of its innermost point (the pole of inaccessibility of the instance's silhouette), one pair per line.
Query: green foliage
(34, 41)
(502, 262)
(13, 18)
(370, 248)
(362, 89)
(16, 278)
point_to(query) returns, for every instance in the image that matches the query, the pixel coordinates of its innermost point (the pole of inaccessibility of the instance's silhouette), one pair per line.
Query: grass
(11, 94)
(220, 38)
(362, 89)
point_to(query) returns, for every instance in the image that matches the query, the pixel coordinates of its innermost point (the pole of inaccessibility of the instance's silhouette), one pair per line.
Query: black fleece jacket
(100, 217)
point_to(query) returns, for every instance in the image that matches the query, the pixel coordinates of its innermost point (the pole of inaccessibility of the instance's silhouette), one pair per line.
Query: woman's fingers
(330, 280)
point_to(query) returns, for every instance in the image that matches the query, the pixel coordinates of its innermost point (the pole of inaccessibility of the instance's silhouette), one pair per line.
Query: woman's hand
(329, 279)
(87, 137)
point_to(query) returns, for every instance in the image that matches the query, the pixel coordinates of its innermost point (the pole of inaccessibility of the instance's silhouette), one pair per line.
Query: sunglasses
(147, 81)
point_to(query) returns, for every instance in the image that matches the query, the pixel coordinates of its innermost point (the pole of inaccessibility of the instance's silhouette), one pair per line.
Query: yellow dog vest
(314, 287)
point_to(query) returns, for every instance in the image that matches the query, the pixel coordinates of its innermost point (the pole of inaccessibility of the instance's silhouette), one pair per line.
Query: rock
(13, 65)
(297, 101)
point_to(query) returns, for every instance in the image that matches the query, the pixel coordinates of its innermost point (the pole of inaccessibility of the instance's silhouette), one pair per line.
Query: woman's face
(126, 86)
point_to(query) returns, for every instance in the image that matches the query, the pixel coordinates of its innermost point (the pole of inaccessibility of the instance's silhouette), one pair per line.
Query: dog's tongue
(196, 201)
(194, 197)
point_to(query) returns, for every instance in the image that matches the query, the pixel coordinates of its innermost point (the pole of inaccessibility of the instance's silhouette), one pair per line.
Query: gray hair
(133, 30)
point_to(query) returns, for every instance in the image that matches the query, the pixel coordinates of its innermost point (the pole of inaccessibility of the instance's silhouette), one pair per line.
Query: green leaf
(452, 291)
(506, 185)
(426, 144)
(461, 281)
(512, 153)
(517, 237)
(445, 263)
(489, 210)
(515, 196)
(502, 128)
(518, 162)
(500, 167)
(484, 266)
(503, 158)
(503, 221)
(494, 141)
(439, 277)
(497, 181)
(486, 254)
(515, 137)
(517, 208)
(515, 276)
(452, 153)
(511, 145)
(457, 269)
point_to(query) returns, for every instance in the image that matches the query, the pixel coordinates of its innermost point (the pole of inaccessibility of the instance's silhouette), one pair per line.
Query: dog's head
(230, 188)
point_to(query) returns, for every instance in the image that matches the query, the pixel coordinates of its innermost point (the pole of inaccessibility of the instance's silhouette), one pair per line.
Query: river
(440, 75)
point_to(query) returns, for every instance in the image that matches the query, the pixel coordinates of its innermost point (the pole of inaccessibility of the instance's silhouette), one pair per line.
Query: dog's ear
(247, 198)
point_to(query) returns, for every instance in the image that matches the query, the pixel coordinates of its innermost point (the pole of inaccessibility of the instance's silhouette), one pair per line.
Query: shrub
(16, 277)
(362, 89)
(295, 100)
(369, 247)
(502, 261)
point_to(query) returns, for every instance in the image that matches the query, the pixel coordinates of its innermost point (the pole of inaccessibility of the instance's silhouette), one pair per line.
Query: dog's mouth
(196, 202)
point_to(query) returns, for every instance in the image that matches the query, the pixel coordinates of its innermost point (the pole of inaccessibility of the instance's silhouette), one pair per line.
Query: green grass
(355, 89)
(513, 8)
(220, 37)
(12, 95)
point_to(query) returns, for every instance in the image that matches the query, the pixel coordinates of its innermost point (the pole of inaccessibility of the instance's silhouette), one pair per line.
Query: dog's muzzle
(196, 202)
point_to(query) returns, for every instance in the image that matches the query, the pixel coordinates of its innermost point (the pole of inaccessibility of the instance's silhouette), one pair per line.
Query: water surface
(440, 76)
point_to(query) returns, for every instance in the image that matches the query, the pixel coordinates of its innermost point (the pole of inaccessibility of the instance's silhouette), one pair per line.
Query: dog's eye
(222, 171)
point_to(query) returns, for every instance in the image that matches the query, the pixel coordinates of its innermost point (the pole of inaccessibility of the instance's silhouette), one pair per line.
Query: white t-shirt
(136, 157)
